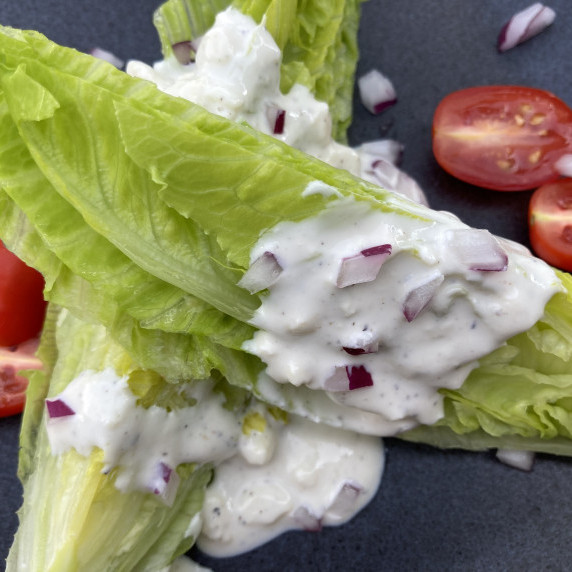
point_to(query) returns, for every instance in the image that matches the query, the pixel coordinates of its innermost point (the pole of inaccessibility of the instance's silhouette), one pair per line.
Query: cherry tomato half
(12, 385)
(505, 138)
(22, 306)
(550, 223)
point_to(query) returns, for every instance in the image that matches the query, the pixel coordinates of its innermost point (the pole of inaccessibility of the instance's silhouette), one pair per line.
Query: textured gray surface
(435, 510)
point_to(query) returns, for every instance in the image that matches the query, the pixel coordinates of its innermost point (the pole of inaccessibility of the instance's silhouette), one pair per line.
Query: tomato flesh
(505, 138)
(12, 384)
(22, 305)
(550, 223)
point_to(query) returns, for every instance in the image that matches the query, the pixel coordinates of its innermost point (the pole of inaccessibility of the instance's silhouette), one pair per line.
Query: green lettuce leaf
(73, 517)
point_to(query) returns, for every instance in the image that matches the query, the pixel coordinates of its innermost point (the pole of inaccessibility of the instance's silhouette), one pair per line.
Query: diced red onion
(386, 149)
(164, 482)
(375, 250)
(388, 176)
(523, 460)
(276, 119)
(109, 57)
(419, 297)
(376, 91)
(524, 25)
(186, 51)
(479, 250)
(164, 477)
(564, 165)
(263, 272)
(338, 381)
(58, 408)
(359, 377)
(366, 349)
(306, 520)
(346, 499)
(348, 378)
(362, 267)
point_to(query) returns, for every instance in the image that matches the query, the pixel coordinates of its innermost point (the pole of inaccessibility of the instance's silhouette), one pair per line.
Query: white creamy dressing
(141, 441)
(306, 320)
(276, 475)
(312, 476)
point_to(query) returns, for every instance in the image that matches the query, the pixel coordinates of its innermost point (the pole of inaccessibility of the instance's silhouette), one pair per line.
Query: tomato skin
(550, 223)
(505, 138)
(22, 305)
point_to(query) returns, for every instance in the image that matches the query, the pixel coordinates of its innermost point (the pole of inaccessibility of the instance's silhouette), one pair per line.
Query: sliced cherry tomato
(505, 138)
(550, 223)
(22, 305)
(12, 384)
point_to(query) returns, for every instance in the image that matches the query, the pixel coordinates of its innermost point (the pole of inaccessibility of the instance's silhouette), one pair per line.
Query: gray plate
(435, 510)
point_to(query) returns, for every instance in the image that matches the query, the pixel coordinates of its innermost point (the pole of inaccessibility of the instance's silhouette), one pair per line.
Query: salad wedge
(148, 215)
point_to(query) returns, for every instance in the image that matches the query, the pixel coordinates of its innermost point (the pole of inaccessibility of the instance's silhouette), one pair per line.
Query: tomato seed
(537, 119)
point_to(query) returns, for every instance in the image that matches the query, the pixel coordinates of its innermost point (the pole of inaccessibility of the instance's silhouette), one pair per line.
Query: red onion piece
(419, 297)
(479, 250)
(376, 91)
(564, 165)
(263, 272)
(523, 460)
(375, 250)
(58, 408)
(307, 520)
(386, 149)
(276, 117)
(164, 482)
(338, 381)
(367, 349)
(345, 501)
(348, 378)
(108, 57)
(362, 267)
(359, 377)
(524, 25)
(184, 52)
(389, 177)
(163, 478)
